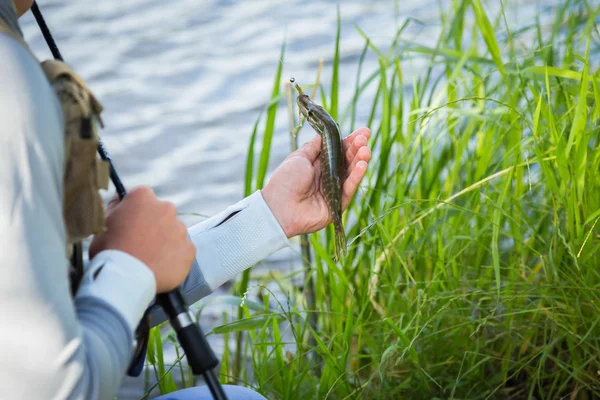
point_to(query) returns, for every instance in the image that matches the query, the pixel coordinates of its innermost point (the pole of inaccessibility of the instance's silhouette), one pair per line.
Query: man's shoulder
(26, 93)
(17, 62)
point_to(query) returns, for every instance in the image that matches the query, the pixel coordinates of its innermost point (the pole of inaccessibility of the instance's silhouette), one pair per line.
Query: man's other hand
(148, 229)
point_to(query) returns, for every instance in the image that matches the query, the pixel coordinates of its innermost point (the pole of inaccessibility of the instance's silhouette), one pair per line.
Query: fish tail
(341, 248)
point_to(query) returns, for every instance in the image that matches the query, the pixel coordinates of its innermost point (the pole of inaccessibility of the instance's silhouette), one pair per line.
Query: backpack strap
(84, 173)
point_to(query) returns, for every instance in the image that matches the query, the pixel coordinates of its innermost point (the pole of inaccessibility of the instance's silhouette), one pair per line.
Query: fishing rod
(197, 350)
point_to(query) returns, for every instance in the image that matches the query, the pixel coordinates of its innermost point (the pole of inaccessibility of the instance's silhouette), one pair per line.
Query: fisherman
(56, 346)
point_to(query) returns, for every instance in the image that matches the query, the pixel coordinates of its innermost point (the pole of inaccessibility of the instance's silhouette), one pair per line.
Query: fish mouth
(303, 101)
(303, 110)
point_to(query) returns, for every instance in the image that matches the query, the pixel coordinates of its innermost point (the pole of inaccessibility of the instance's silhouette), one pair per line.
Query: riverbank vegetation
(474, 264)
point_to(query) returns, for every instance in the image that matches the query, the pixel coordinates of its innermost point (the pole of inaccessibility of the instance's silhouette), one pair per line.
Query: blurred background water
(183, 82)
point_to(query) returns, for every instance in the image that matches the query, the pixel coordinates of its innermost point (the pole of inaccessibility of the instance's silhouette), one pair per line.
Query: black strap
(76, 271)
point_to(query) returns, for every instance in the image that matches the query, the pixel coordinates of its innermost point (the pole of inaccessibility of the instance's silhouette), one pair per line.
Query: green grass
(474, 269)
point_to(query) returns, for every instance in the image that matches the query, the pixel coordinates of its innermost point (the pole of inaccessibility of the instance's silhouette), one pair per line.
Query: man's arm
(227, 244)
(291, 204)
(256, 227)
(51, 347)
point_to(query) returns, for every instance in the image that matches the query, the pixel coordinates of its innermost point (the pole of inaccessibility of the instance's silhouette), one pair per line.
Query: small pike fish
(332, 163)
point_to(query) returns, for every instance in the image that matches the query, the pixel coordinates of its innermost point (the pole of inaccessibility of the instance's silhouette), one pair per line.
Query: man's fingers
(350, 154)
(351, 184)
(363, 154)
(347, 142)
(357, 156)
(311, 149)
(350, 145)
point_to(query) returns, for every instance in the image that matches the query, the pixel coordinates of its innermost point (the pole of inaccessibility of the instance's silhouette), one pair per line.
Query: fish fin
(341, 248)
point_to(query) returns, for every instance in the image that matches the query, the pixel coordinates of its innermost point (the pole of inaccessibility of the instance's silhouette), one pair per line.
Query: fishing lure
(332, 162)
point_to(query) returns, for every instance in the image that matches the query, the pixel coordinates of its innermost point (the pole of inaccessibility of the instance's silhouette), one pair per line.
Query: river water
(182, 83)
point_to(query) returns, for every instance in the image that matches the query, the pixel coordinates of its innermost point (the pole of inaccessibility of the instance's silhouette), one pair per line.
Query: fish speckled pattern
(332, 163)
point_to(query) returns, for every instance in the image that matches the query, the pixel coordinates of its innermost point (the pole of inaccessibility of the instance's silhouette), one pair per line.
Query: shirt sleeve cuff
(236, 239)
(122, 281)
